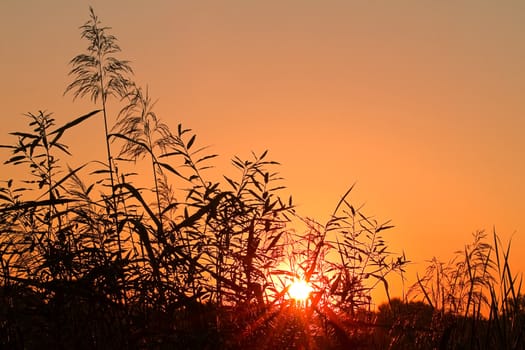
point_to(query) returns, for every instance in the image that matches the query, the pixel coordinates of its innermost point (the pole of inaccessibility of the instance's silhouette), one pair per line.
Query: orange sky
(419, 102)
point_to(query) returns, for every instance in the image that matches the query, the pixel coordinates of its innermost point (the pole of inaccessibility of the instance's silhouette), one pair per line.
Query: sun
(299, 290)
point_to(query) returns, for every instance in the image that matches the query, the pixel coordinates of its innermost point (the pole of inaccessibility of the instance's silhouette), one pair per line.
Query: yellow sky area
(420, 103)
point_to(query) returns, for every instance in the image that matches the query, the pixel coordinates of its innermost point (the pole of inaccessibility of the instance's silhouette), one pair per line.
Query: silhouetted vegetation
(91, 259)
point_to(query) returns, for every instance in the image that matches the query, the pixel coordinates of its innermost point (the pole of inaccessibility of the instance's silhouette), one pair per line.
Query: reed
(474, 299)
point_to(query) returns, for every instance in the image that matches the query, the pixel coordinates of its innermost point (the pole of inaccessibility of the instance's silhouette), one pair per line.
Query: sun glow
(299, 290)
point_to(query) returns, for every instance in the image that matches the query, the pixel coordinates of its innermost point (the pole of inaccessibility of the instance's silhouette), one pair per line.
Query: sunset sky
(421, 103)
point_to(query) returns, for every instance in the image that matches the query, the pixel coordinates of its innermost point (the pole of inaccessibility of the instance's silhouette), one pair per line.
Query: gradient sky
(419, 102)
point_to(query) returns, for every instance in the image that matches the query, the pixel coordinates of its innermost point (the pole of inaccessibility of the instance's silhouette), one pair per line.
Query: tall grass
(99, 74)
(474, 301)
(93, 260)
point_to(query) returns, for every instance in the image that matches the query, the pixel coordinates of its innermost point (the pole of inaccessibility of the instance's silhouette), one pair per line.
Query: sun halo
(299, 290)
